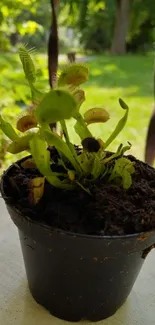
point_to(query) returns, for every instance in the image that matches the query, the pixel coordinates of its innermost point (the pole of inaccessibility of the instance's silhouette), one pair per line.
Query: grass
(129, 77)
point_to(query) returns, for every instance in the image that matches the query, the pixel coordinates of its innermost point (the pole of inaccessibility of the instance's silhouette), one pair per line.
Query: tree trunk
(56, 2)
(150, 141)
(53, 47)
(53, 50)
(121, 27)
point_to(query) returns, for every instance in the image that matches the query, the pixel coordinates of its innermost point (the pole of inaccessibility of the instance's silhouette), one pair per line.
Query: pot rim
(141, 235)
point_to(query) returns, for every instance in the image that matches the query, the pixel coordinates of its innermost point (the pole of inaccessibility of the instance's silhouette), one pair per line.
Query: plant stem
(80, 119)
(70, 146)
(118, 129)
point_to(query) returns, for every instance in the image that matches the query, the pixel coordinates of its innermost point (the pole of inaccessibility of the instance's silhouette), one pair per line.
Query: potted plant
(86, 216)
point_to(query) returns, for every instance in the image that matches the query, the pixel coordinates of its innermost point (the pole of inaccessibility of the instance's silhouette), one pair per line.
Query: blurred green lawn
(129, 77)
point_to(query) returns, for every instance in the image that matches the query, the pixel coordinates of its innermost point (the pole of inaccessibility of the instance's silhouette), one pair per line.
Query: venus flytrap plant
(36, 186)
(8, 130)
(120, 125)
(41, 158)
(96, 115)
(73, 75)
(30, 72)
(122, 171)
(51, 108)
(80, 166)
(26, 123)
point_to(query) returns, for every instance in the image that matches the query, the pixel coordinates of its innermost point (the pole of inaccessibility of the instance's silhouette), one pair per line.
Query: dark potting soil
(110, 210)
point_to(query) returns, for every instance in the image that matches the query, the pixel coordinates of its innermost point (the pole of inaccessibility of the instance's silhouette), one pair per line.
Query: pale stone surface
(18, 308)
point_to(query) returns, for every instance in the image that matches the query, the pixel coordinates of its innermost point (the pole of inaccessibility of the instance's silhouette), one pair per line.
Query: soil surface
(110, 210)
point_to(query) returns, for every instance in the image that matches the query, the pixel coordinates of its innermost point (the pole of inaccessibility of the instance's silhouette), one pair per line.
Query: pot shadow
(119, 318)
(22, 309)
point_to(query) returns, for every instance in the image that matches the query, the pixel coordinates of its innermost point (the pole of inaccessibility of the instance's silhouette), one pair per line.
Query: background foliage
(89, 28)
(92, 21)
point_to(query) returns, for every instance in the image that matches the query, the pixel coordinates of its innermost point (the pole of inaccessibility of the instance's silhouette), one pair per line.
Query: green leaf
(56, 105)
(8, 130)
(81, 128)
(125, 148)
(126, 180)
(41, 157)
(123, 104)
(69, 144)
(86, 162)
(114, 155)
(55, 140)
(105, 171)
(119, 126)
(122, 164)
(119, 153)
(98, 167)
(54, 181)
(20, 144)
(123, 169)
(40, 154)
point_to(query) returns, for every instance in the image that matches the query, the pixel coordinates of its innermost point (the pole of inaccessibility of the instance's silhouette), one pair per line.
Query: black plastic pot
(75, 276)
